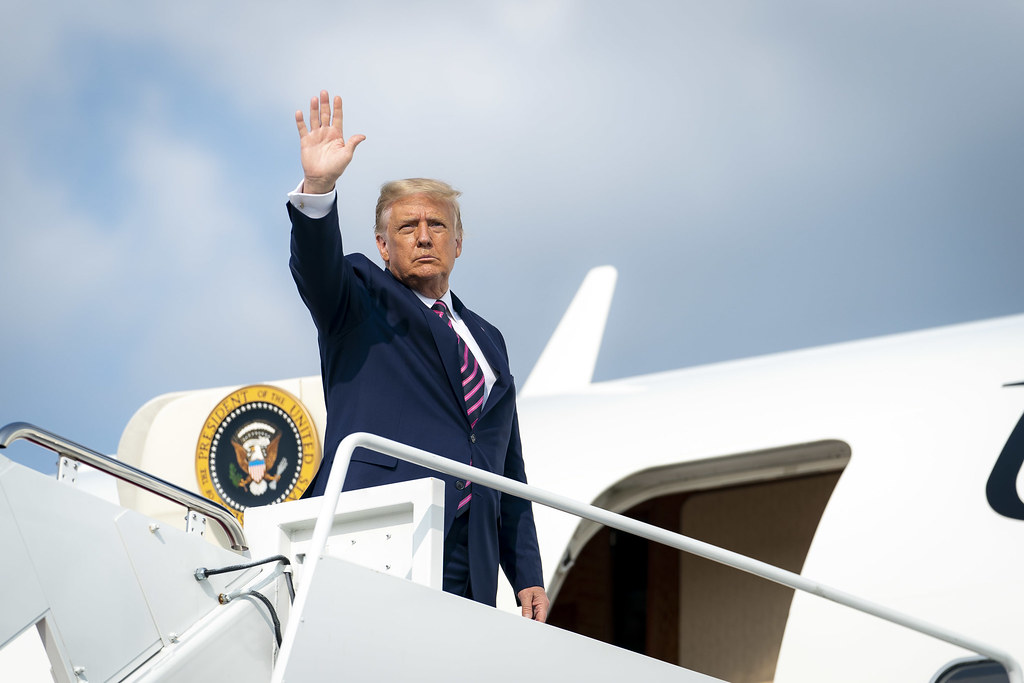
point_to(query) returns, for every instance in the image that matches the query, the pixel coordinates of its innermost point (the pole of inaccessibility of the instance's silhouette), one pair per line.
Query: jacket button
(459, 484)
(472, 438)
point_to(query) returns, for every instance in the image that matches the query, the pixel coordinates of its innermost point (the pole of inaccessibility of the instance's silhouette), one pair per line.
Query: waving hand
(325, 152)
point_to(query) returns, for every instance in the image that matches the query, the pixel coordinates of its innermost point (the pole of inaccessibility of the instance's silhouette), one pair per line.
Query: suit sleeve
(322, 274)
(518, 548)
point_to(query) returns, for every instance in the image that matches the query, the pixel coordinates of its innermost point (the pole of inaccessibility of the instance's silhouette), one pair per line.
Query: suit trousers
(455, 578)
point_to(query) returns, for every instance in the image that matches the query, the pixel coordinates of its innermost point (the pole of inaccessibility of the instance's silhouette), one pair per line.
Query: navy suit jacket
(390, 366)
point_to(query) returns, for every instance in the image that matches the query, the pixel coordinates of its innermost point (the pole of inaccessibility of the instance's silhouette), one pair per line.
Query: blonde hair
(399, 189)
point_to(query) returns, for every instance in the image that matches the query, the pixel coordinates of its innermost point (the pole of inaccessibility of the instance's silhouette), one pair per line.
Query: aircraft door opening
(684, 609)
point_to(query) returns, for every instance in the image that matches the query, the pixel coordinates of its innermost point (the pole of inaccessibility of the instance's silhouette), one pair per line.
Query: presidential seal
(258, 447)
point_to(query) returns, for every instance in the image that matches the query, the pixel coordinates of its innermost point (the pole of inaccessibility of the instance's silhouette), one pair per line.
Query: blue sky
(765, 176)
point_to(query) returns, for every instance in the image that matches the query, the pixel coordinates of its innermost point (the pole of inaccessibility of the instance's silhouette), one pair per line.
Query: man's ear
(458, 247)
(382, 247)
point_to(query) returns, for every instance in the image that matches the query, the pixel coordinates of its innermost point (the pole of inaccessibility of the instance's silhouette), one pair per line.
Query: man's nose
(423, 237)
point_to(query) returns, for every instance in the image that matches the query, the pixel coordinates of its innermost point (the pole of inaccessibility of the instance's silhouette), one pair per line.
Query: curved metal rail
(69, 449)
(601, 516)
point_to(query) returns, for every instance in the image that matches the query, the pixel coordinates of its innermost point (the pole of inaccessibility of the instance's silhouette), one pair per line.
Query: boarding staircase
(114, 596)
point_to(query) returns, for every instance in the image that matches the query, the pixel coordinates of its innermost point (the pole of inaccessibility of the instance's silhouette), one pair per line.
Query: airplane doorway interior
(683, 609)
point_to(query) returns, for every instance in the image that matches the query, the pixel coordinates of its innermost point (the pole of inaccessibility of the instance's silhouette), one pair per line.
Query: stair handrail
(69, 449)
(614, 520)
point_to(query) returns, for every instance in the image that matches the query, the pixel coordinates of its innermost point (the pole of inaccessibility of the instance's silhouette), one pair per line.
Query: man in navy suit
(402, 357)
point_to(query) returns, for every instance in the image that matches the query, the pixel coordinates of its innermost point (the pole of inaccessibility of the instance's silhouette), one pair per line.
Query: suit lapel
(447, 346)
(448, 350)
(492, 352)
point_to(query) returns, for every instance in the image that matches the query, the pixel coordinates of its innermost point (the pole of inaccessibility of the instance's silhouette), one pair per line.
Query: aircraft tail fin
(567, 362)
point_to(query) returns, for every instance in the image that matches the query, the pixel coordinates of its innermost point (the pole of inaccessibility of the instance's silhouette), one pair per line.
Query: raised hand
(325, 152)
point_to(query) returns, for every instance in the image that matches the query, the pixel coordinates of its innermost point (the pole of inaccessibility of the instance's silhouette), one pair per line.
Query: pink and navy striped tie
(472, 379)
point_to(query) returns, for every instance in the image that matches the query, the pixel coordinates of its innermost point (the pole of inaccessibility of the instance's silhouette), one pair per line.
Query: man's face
(419, 243)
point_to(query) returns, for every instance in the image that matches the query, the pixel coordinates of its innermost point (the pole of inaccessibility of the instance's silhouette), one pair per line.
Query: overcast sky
(764, 175)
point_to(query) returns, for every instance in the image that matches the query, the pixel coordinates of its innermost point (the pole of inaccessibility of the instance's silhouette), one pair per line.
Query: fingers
(535, 603)
(540, 606)
(540, 614)
(337, 113)
(320, 116)
(325, 109)
(316, 111)
(320, 111)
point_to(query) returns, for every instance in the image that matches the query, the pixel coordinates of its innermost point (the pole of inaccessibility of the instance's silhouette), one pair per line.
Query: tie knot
(440, 308)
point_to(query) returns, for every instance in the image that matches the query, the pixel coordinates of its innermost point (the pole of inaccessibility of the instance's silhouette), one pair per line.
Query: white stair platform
(364, 625)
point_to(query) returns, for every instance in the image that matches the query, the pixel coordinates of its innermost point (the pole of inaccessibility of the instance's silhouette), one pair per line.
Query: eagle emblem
(256, 452)
(274, 451)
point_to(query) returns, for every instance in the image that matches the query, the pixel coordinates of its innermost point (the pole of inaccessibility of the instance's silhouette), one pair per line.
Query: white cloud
(181, 270)
(55, 262)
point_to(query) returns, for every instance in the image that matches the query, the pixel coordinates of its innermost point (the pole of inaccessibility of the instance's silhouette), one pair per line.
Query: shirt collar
(447, 299)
